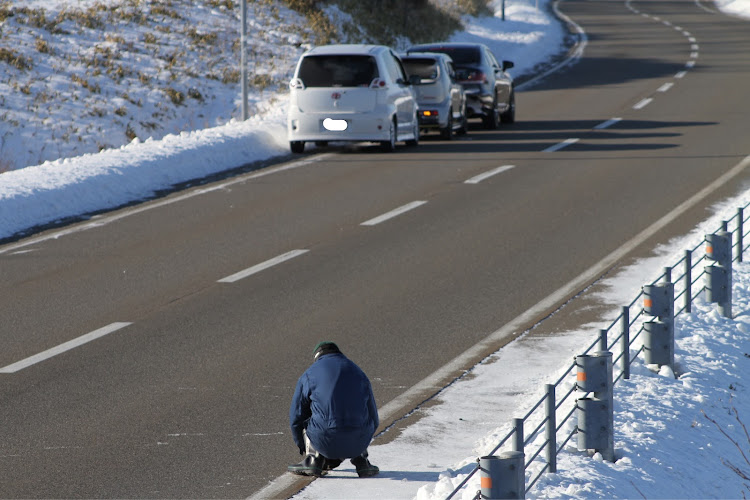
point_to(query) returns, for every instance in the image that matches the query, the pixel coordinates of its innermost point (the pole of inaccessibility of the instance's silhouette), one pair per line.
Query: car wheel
(447, 132)
(492, 120)
(297, 146)
(415, 133)
(464, 128)
(390, 145)
(510, 115)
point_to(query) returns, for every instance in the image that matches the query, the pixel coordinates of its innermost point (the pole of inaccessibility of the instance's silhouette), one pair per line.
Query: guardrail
(549, 415)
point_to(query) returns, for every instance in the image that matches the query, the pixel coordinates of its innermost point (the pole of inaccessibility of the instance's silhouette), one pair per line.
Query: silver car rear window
(426, 69)
(461, 55)
(338, 71)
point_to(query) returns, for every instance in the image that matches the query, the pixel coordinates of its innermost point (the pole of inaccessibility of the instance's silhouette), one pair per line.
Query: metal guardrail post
(658, 338)
(688, 281)
(625, 342)
(740, 225)
(596, 415)
(719, 275)
(551, 408)
(502, 476)
(518, 434)
(603, 340)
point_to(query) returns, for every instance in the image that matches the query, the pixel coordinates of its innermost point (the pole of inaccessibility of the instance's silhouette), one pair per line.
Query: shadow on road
(536, 136)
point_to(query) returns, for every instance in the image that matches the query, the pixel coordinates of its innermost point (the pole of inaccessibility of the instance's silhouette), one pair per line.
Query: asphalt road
(186, 392)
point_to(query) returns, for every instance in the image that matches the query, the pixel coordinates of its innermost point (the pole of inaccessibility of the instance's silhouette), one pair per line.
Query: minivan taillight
(296, 83)
(377, 83)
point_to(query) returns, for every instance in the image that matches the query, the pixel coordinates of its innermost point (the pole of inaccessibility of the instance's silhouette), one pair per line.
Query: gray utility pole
(243, 58)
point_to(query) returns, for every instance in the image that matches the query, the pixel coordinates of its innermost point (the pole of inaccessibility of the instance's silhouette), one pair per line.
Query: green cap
(326, 345)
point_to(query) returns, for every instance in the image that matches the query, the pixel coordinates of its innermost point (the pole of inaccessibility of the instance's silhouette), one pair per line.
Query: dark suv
(489, 88)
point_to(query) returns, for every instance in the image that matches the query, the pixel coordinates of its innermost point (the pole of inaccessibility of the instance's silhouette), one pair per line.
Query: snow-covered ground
(81, 76)
(665, 445)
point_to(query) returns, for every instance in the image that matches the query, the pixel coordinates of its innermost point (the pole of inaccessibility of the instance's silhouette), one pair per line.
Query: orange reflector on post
(485, 482)
(581, 376)
(649, 303)
(709, 249)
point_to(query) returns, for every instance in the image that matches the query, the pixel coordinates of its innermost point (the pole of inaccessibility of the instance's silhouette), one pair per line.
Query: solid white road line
(699, 4)
(393, 213)
(645, 102)
(108, 219)
(607, 124)
(101, 332)
(479, 178)
(263, 265)
(559, 146)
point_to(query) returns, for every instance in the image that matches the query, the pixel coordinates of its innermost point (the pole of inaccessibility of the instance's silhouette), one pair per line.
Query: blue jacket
(333, 400)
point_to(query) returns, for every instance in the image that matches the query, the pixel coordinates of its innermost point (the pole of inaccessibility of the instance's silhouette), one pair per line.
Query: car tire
(390, 145)
(492, 120)
(415, 132)
(297, 146)
(447, 133)
(510, 115)
(464, 128)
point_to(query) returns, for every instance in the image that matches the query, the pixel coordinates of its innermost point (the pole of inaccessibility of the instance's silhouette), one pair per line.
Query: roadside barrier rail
(551, 415)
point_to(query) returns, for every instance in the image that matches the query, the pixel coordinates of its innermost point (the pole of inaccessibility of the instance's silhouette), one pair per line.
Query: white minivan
(351, 93)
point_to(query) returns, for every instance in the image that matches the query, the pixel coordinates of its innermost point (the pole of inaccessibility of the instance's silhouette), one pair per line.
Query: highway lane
(190, 400)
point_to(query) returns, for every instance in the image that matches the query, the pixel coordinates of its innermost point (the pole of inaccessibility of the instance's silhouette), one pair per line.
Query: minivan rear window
(338, 71)
(425, 68)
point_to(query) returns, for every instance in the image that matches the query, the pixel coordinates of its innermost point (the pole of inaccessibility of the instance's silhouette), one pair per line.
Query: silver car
(489, 88)
(442, 102)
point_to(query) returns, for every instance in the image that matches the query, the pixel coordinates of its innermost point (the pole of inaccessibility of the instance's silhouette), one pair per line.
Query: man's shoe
(364, 467)
(310, 466)
(331, 463)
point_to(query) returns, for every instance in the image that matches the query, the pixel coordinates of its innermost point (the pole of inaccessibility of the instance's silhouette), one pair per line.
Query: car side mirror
(415, 80)
(507, 65)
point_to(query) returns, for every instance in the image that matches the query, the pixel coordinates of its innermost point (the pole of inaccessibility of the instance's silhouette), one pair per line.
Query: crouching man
(333, 415)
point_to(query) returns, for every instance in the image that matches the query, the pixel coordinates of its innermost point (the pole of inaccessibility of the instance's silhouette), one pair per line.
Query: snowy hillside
(81, 76)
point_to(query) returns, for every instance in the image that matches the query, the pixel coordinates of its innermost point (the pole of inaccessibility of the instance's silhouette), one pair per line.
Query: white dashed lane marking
(559, 146)
(479, 178)
(607, 124)
(393, 213)
(263, 265)
(643, 103)
(67, 346)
